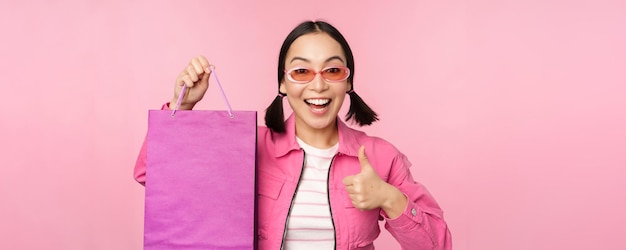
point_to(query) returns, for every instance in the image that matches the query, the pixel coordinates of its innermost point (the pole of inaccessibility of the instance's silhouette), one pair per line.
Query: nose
(318, 83)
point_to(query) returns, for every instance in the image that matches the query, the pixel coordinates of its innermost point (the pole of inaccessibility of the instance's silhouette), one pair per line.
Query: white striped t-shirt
(310, 225)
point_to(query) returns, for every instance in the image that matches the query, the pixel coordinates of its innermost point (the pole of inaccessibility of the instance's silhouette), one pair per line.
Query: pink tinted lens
(302, 74)
(335, 73)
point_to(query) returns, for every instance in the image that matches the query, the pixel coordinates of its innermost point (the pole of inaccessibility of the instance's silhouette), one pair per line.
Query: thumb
(205, 77)
(365, 163)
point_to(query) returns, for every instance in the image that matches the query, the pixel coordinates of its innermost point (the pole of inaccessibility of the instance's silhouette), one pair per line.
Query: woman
(317, 187)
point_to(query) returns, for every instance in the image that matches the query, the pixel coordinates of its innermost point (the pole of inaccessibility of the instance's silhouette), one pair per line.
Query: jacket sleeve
(421, 225)
(139, 173)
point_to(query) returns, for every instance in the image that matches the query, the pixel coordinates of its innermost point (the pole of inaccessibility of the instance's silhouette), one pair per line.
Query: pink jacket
(280, 160)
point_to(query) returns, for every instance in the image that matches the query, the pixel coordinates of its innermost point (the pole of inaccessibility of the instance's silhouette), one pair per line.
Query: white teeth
(318, 101)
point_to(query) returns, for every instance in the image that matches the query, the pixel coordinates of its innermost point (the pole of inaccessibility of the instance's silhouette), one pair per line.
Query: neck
(319, 138)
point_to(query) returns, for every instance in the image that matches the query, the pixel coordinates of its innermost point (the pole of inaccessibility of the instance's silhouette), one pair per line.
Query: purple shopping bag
(200, 180)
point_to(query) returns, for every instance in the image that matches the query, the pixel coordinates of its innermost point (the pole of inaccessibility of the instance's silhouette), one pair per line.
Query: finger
(355, 204)
(204, 82)
(179, 80)
(348, 181)
(365, 163)
(357, 198)
(353, 198)
(188, 81)
(204, 63)
(191, 72)
(350, 188)
(197, 66)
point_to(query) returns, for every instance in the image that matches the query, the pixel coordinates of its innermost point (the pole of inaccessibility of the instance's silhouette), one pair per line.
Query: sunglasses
(330, 74)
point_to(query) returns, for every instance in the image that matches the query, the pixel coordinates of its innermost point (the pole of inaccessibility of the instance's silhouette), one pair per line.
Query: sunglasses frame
(288, 75)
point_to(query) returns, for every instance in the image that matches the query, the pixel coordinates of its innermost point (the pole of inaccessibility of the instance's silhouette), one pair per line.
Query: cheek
(294, 93)
(291, 100)
(339, 101)
(344, 89)
(294, 90)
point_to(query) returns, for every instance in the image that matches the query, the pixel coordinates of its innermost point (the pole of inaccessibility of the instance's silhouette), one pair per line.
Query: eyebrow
(307, 60)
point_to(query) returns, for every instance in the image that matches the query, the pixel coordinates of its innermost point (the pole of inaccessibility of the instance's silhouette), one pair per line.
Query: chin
(321, 123)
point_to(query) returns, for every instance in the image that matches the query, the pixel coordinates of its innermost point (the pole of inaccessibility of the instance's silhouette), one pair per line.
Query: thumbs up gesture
(367, 190)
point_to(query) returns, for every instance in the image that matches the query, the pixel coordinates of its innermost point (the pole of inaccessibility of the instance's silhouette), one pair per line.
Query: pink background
(512, 112)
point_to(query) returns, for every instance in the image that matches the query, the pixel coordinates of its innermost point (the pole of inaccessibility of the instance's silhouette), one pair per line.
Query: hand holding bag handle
(182, 93)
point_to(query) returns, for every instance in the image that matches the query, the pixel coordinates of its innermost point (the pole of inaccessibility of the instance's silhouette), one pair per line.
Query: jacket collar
(286, 142)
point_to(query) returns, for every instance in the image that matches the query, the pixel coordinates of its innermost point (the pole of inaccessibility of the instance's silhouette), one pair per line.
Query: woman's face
(316, 103)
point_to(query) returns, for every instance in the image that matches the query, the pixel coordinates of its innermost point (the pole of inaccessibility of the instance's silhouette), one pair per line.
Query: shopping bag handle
(182, 93)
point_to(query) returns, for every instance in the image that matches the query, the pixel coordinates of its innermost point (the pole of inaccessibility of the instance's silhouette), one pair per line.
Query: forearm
(420, 225)
(395, 203)
(420, 230)
(139, 172)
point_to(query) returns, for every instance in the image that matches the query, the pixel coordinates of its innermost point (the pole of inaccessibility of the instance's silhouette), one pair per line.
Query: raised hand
(365, 188)
(196, 77)
(368, 191)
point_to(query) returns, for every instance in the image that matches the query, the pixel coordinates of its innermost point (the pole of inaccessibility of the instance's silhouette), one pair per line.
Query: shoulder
(267, 139)
(370, 141)
(262, 130)
(388, 161)
(264, 135)
(376, 148)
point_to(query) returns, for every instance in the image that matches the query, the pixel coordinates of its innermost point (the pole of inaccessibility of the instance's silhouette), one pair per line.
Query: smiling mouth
(317, 103)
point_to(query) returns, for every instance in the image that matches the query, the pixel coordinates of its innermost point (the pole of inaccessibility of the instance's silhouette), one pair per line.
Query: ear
(282, 88)
(349, 87)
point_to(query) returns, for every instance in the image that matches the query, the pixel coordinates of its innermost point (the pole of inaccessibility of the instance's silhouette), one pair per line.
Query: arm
(139, 173)
(412, 215)
(421, 224)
